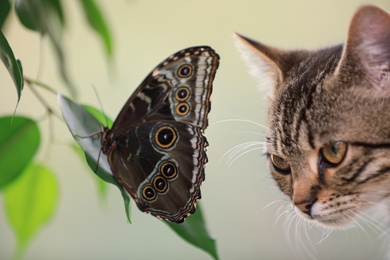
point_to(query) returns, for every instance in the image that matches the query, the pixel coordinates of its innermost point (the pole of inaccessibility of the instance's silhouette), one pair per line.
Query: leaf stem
(31, 83)
(40, 84)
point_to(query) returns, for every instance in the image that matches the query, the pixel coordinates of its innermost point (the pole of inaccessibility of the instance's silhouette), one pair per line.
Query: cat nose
(305, 205)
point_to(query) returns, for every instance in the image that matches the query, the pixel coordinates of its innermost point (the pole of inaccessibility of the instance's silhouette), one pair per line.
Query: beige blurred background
(235, 197)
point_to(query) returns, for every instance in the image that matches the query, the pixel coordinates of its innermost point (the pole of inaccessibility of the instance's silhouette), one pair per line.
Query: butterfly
(156, 147)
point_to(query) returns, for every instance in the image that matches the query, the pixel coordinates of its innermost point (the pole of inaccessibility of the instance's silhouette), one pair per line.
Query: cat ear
(269, 64)
(367, 50)
(262, 60)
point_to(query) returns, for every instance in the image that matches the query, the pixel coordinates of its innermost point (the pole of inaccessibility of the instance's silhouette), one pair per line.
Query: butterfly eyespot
(282, 165)
(182, 109)
(166, 130)
(160, 184)
(184, 71)
(334, 153)
(168, 170)
(148, 193)
(165, 137)
(182, 94)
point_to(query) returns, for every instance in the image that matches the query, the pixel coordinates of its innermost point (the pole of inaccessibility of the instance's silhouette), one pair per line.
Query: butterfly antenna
(105, 118)
(97, 161)
(100, 104)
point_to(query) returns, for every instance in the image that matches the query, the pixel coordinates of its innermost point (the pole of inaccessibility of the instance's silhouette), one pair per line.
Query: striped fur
(340, 93)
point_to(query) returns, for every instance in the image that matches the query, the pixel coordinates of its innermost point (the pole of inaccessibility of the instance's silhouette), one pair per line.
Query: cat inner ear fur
(262, 60)
(367, 50)
(269, 64)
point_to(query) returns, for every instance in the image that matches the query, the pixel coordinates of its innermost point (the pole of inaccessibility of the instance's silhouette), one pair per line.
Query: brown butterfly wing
(156, 148)
(164, 180)
(155, 99)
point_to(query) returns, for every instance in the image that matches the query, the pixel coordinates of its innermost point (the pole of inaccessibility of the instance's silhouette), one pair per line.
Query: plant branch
(40, 84)
(49, 109)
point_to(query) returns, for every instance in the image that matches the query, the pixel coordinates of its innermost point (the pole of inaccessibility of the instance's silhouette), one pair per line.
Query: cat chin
(335, 224)
(338, 222)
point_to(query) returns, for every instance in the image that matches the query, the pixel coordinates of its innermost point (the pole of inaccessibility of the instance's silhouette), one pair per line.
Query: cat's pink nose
(305, 195)
(305, 206)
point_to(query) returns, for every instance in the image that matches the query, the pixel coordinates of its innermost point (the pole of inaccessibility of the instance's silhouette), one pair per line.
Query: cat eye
(334, 153)
(280, 164)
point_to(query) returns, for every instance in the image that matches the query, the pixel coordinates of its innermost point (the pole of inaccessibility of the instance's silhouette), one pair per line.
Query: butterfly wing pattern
(156, 147)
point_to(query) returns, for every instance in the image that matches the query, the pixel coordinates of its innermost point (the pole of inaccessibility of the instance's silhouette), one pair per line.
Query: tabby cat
(328, 142)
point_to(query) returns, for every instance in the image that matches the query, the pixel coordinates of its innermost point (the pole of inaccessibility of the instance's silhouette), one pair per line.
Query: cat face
(329, 118)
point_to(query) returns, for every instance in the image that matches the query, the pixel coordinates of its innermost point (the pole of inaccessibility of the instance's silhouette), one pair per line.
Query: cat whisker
(273, 203)
(385, 234)
(281, 214)
(239, 150)
(292, 216)
(381, 213)
(326, 232)
(247, 121)
(252, 132)
(243, 153)
(236, 149)
(370, 221)
(374, 222)
(361, 227)
(290, 219)
(299, 237)
(241, 119)
(312, 251)
(311, 224)
(304, 243)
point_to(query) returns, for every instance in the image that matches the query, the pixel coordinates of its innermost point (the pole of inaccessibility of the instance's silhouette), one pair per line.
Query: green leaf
(194, 231)
(86, 130)
(5, 7)
(40, 15)
(47, 18)
(56, 7)
(19, 142)
(30, 203)
(12, 65)
(82, 126)
(96, 113)
(101, 185)
(96, 20)
(25, 11)
(103, 120)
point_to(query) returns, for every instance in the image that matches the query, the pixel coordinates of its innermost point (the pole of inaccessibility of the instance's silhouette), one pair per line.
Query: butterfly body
(156, 147)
